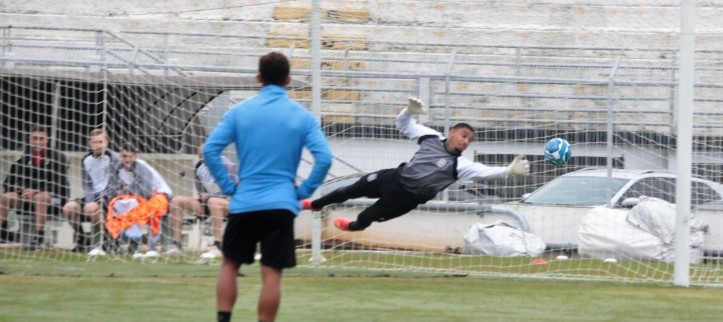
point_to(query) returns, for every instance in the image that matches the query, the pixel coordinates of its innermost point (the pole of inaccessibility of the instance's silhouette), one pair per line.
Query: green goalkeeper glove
(518, 167)
(415, 106)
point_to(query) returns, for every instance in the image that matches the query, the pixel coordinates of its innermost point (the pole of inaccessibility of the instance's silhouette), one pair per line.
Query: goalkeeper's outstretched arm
(406, 124)
(467, 169)
(519, 166)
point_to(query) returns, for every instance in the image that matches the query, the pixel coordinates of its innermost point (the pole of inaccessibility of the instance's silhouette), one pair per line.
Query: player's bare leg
(218, 207)
(226, 288)
(42, 201)
(71, 211)
(7, 201)
(93, 211)
(178, 206)
(270, 296)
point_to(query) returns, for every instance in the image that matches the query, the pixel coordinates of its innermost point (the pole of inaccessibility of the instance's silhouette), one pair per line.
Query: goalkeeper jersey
(433, 168)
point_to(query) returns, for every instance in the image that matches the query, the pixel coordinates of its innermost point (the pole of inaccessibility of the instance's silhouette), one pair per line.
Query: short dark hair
(40, 128)
(129, 147)
(274, 69)
(463, 126)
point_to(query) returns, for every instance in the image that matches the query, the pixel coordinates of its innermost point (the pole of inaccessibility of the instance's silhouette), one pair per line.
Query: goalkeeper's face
(459, 139)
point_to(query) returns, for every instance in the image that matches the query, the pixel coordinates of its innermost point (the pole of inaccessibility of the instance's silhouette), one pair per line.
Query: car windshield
(576, 191)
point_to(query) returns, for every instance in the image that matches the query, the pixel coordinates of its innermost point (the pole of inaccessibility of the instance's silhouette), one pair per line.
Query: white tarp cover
(657, 216)
(501, 239)
(607, 233)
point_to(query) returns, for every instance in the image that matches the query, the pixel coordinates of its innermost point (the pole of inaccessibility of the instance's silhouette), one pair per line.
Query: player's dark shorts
(274, 229)
(102, 202)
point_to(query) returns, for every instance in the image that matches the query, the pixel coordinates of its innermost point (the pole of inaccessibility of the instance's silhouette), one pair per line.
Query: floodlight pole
(684, 143)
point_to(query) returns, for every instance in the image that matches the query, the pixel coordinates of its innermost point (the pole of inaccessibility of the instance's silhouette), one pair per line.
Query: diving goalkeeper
(437, 164)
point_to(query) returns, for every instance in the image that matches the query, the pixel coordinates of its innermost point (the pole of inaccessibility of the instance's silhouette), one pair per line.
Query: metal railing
(520, 76)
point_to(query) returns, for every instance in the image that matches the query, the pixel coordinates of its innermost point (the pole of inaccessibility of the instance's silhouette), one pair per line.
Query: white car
(554, 211)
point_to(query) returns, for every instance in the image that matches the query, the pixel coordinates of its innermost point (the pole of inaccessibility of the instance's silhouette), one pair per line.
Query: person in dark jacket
(36, 182)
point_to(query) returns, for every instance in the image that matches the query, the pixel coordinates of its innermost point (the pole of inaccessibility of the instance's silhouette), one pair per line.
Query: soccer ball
(558, 151)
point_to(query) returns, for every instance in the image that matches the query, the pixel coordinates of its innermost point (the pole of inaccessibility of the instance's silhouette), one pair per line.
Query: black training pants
(393, 202)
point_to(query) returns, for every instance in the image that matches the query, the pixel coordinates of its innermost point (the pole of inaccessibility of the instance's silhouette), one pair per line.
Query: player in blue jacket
(269, 131)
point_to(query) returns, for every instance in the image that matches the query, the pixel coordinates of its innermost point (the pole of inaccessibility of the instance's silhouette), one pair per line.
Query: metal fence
(508, 92)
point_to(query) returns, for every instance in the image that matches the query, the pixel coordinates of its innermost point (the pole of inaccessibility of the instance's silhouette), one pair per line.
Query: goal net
(602, 75)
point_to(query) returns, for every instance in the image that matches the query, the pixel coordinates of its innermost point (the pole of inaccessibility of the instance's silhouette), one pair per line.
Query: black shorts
(274, 229)
(103, 202)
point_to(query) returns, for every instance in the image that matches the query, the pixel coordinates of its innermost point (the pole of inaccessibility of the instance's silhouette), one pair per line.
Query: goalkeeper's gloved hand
(519, 166)
(415, 106)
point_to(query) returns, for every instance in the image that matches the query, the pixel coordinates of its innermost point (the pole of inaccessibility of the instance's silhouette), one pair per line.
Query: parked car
(554, 211)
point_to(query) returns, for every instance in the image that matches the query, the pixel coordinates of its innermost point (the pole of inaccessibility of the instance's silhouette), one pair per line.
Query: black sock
(4, 230)
(224, 316)
(178, 244)
(41, 236)
(217, 243)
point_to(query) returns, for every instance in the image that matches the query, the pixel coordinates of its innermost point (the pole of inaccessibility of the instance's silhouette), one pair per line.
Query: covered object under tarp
(644, 232)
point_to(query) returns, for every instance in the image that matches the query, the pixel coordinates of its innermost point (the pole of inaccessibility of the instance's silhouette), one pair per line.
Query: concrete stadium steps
(550, 23)
(296, 12)
(394, 33)
(410, 37)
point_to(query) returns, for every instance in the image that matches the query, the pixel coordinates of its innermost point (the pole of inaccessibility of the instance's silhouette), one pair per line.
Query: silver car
(555, 210)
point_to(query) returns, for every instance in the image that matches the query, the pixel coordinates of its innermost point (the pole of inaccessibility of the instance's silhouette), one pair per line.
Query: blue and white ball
(558, 151)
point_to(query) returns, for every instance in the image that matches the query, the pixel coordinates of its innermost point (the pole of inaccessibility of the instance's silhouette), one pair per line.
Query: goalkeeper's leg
(386, 208)
(370, 186)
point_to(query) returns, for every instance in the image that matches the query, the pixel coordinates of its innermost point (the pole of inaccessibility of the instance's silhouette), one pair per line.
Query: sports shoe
(173, 250)
(35, 244)
(214, 252)
(98, 251)
(80, 244)
(78, 249)
(152, 253)
(342, 223)
(306, 204)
